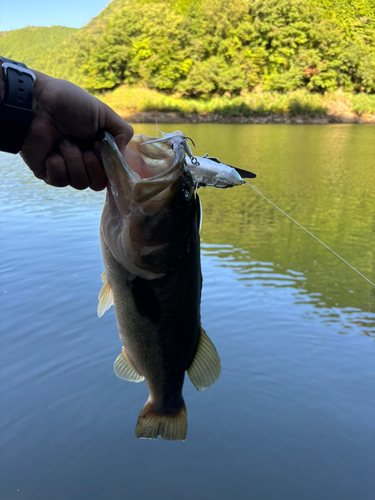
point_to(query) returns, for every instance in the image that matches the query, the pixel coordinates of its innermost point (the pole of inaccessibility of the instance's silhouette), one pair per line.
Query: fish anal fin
(125, 370)
(170, 426)
(105, 298)
(205, 368)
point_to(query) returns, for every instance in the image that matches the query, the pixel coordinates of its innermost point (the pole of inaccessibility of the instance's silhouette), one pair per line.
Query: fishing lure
(210, 171)
(205, 170)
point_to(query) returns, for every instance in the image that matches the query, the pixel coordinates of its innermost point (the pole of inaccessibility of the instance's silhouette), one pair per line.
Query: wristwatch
(16, 107)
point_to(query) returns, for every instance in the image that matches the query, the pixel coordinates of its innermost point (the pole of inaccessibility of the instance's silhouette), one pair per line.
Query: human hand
(61, 146)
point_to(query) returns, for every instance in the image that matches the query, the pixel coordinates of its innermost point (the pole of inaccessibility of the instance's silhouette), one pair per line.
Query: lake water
(293, 413)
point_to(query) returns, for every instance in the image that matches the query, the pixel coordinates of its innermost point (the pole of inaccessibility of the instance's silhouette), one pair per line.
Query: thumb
(118, 127)
(121, 141)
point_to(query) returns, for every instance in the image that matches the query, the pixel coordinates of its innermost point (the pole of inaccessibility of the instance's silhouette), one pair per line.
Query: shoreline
(173, 117)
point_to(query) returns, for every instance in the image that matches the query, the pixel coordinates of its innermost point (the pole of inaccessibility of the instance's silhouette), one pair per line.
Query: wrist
(16, 104)
(40, 82)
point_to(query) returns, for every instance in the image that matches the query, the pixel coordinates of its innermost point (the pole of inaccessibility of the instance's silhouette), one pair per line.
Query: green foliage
(27, 45)
(127, 99)
(203, 48)
(356, 19)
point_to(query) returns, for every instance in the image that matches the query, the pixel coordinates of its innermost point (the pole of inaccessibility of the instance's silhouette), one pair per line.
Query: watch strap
(16, 113)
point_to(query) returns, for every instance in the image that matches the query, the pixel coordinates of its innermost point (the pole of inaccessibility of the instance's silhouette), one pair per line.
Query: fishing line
(157, 128)
(307, 231)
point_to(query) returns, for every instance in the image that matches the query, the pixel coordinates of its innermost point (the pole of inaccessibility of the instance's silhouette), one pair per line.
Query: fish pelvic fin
(205, 368)
(170, 426)
(125, 370)
(105, 298)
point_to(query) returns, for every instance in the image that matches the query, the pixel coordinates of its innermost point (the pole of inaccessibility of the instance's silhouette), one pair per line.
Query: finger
(121, 142)
(37, 147)
(56, 173)
(121, 130)
(95, 172)
(74, 163)
(97, 149)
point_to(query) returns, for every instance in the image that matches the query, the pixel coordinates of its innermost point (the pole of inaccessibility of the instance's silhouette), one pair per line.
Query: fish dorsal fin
(105, 298)
(124, 369)
(205, 368)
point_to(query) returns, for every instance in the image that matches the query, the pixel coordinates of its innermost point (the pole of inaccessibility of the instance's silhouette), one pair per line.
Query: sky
(16, 14)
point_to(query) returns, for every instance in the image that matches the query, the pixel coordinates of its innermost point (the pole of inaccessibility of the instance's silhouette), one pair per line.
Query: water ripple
(266, 274)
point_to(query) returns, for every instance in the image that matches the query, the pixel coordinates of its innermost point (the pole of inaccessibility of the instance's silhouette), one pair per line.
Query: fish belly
(159, 323)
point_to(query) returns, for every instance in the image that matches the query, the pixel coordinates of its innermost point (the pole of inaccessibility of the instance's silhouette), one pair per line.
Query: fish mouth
(148, 158)
(148, 167)
(150, 185)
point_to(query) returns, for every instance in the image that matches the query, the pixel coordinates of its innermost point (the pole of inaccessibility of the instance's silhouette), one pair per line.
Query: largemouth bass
(149, 235)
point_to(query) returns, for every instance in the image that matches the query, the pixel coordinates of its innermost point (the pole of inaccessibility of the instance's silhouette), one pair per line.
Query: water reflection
(323, 176)
(265, 274)
(22, 193)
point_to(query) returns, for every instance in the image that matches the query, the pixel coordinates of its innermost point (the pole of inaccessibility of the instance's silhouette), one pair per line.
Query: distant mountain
(213, 47)
(29, 44)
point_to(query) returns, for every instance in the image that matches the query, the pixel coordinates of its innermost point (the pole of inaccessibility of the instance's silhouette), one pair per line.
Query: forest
(204, 49)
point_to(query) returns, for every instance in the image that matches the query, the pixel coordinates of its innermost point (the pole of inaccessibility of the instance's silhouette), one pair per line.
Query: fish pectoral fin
(205, 368)
(170, 426)
(125, 370)
(105, 297)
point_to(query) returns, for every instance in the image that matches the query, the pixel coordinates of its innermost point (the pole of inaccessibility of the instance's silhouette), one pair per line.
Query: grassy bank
(335, 106)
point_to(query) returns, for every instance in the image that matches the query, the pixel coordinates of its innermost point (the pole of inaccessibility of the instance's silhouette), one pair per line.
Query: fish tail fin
(151, 424)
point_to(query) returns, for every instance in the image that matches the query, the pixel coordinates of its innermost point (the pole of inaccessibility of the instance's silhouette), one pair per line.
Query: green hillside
(205, 48)
(356, 19)
(32, 43)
